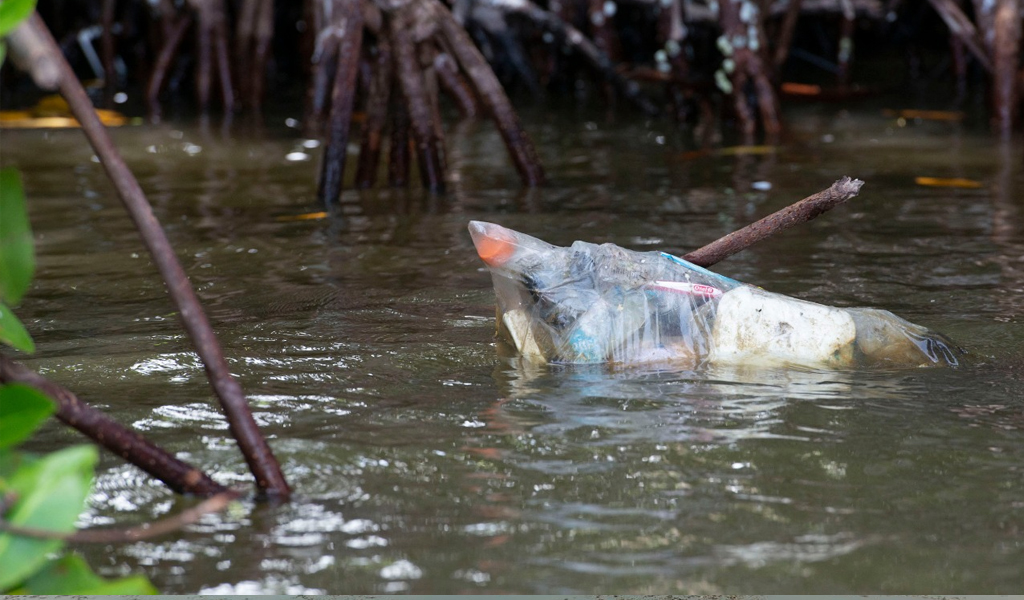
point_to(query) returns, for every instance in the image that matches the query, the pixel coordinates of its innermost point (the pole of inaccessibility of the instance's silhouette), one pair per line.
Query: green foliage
(12, 332)
(13, 12)
(22, 410)
(72, 576)
(51, 492)
(17, 260)
(46, 493)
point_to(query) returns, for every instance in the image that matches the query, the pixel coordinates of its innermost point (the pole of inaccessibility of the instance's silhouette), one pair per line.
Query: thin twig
(254, 447)
(794, 214)
(180, 476)
(131, 534)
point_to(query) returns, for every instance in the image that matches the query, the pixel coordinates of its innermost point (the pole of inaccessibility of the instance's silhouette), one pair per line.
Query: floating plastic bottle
(591, 303)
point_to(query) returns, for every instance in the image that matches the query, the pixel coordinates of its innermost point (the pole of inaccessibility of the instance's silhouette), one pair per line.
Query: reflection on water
(428, 460)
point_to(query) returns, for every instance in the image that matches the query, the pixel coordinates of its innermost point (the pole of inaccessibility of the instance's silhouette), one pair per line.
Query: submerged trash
(592, 303)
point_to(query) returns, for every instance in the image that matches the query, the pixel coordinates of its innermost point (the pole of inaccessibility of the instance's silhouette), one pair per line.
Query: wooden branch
(131, 534)
(794, 214)
(180, 476)
(254, 447)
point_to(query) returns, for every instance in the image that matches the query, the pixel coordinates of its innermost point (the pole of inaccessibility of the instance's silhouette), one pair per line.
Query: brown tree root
(414, 50)
(745, 48)
(253, 35)
(180, 476)
(347, 30)
(213, 59)
(49, 66)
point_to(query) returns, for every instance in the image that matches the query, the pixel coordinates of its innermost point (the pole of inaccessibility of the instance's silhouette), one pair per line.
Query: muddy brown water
(427, 460)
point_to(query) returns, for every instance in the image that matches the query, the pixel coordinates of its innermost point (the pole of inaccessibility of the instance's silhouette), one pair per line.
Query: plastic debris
(591, 303)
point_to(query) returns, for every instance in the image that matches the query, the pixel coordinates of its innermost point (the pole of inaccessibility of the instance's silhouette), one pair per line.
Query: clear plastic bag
(592, 303)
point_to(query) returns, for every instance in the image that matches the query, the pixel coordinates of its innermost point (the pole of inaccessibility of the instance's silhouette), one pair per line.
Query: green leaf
(17, 261)
(12, 332)
(22, 410)
(51, 493)
(72, 576)
(13, 12)
(10, 462)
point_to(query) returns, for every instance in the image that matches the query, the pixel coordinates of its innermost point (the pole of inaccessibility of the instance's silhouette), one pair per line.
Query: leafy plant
(37, 492)
(47, 493)
(17, 260)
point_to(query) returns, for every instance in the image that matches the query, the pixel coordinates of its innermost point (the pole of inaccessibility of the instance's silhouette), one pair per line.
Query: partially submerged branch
(180, 476)
(794, 214)
(132, 534)
(254, 447)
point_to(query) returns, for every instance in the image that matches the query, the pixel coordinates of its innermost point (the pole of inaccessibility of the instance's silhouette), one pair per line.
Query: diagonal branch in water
(180, 476)
(49, 60)
(131, 534)
(794, 214)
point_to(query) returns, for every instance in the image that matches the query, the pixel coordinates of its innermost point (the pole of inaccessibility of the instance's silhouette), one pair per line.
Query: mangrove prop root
(254, 447)
(749, 64)
(325, 58)
(962, 27)
(348, 27)
(785, 37)
(107, 50)
(398, 153)
(413, 86)
(493, 96)
(1006, 56)
(180, 476)
(377, 101)
(794, 214)
(579, 43)
(252, 43)
(145, 531)
(455, 86)
(176, 33)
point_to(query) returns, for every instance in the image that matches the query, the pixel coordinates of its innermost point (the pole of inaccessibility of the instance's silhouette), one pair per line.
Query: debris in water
(592, 303)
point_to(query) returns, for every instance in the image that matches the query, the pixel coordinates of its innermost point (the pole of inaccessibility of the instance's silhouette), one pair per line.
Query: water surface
(427, 460)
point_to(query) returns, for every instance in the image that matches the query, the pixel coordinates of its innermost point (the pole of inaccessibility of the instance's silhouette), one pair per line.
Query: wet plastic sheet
(592, 303)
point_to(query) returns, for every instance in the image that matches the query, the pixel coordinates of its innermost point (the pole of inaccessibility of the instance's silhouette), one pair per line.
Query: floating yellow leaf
(925, 115)
(800, 89)
(949, 182)
(303, 217)
(743, 150)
